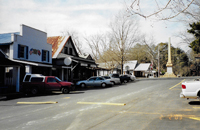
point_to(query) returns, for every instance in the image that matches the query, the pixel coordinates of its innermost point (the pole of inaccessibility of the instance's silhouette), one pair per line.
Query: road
(139, 105)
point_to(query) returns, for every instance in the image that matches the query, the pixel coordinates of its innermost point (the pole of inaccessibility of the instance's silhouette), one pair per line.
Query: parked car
(114, 75)
(95, 81)
(114, 80)
(125, 78)
(132, 77)
(36, 83)
(191, 89)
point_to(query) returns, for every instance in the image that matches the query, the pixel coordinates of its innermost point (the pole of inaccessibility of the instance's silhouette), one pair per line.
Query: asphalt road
(139, 105)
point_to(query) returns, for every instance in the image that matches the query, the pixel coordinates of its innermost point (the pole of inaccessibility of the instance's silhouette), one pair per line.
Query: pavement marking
(195, 118)
(66, 97)
(176, 85)
(196, 107)
(36, 102)
(116, 104)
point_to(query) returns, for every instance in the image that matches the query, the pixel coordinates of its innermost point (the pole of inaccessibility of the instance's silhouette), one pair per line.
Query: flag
(31, 51)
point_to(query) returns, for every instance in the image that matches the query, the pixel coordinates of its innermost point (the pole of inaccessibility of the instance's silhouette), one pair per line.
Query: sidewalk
(11, 95)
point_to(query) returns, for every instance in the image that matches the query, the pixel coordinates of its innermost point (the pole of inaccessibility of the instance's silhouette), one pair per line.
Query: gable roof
(58, 43)
(86, 56)
(6, 38)
(142, 67)
(131, 64)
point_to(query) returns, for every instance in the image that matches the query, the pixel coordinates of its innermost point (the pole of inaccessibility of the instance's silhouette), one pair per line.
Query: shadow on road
(194, 103)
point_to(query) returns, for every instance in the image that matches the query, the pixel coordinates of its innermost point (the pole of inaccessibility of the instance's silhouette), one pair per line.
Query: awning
(8, 63)
(32, 63)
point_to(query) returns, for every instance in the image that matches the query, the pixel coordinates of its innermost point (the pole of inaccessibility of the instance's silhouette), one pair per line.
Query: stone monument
(169, 65)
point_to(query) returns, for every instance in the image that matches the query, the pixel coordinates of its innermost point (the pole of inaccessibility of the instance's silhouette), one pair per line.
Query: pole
(158, 62)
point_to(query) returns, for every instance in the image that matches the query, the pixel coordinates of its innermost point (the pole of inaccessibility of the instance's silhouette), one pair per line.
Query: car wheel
(113, 83)
(65, 90)
(103, 85)
(83, 85)
(34, 91)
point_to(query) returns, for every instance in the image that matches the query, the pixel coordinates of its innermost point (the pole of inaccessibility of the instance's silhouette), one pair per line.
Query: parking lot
(142, 104)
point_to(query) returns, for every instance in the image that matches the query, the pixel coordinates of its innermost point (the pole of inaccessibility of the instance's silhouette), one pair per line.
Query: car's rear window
(36, 79)
(115, 76)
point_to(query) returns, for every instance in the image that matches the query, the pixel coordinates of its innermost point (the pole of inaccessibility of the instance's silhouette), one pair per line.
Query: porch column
(28, 69)
(18, 79)
(67, 75)
(62, 74)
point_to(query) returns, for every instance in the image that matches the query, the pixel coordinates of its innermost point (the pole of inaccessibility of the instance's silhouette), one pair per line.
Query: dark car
(125, 78)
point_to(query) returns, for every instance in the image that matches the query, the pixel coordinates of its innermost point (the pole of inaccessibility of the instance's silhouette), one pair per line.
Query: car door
(90, 81)
(52, 84)
(98, 81)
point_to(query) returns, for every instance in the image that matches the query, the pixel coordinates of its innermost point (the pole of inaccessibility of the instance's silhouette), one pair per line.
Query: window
(37, 79)
(45, 55)
(92, 79)
(22, 51)
(99, 78)
(70, 51)
(66, 50)
(51, 80)
(27, 78)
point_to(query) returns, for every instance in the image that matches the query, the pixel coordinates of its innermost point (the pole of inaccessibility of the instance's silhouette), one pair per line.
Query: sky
(88, 17)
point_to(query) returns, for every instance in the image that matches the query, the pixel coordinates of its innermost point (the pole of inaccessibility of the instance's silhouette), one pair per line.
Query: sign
(34, 51)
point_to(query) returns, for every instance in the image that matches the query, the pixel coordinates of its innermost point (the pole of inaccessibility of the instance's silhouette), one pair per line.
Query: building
(27, 48)
(68, 65)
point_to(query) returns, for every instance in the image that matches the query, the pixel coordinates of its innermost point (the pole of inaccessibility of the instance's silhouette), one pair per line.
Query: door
(90, 81)
(98, 81)
(52, 84)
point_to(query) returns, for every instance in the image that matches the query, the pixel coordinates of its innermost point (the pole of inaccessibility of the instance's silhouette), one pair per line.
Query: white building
(28, 47)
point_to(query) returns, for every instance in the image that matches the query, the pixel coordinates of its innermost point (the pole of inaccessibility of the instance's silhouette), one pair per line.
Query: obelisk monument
(169, 65)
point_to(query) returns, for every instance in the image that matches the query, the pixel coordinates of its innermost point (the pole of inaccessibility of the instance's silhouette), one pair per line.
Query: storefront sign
(34, 51)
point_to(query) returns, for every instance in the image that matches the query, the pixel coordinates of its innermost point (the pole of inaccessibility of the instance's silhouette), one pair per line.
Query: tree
(75, 38)
(179, 59)
(112, 48)
(195, 30)
(165, 9)
(124, 33)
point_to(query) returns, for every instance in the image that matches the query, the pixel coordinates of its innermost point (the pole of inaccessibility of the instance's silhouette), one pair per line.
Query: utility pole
(158, 61)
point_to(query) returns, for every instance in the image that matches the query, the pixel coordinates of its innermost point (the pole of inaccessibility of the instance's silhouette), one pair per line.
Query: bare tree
(75, 38)
(112, 48)
(124, 33)
(165, 9)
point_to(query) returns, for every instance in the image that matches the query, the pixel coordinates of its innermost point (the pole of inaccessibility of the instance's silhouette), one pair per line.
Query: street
(138, 105)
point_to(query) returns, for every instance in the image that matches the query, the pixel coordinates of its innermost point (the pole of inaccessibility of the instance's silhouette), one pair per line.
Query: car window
(115, 76)
(51, 80)
(36, 79)
(92, 79)
(27, 78)
(99, 78)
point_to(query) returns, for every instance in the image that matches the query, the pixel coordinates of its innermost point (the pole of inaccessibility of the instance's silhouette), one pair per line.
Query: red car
(36, 83)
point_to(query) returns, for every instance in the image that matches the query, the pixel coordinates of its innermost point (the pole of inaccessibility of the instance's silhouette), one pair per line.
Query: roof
(130, 64)
(142, 67)
(56, 43)
(61, 55)
(6, 38)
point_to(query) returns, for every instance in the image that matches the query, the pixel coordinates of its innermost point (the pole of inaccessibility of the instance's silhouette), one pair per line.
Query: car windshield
(58, 79)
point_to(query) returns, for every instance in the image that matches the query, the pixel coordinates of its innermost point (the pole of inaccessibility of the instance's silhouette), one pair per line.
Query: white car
(190, 89)
(114, 80)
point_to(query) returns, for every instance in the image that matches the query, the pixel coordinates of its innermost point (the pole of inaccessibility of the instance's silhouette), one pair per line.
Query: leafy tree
(195, 30)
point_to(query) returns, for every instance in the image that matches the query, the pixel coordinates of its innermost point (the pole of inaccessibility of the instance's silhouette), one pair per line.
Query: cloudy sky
(85, 16)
